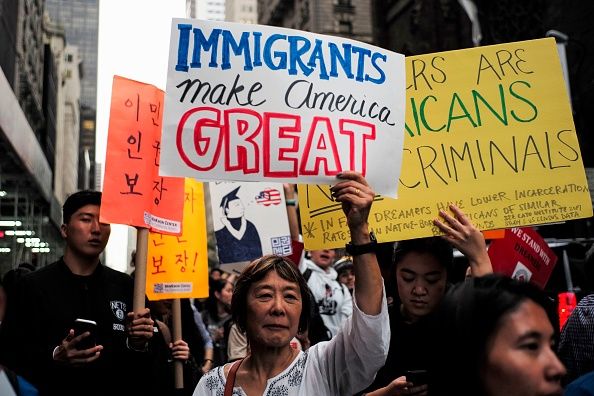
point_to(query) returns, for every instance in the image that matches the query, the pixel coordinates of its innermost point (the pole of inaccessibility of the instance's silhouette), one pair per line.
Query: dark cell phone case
(417, 377)
(81, 327)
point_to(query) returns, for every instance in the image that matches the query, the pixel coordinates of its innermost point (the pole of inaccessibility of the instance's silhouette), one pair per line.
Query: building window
(345, 27)
(88, 125)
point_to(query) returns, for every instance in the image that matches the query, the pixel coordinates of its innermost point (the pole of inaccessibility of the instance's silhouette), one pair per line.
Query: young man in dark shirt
(37, 338)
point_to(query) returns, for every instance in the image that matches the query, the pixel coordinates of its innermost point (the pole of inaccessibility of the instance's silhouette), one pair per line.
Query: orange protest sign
(133, 191)
(177, 266)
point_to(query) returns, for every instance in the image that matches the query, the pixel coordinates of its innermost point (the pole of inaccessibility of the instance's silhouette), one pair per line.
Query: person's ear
(64, 231)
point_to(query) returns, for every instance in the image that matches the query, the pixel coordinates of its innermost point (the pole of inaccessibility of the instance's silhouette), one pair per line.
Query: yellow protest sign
(488, 129)
(177, 266)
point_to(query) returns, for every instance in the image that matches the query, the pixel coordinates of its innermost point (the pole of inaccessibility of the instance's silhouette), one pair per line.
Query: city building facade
(68, 96)
(29, 212)
(241, 11)
(212, 10)
(80, 21)
(191, 11)
(344, 18)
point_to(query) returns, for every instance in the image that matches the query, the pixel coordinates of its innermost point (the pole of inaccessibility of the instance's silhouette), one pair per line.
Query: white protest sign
(250, 220)
(261, 103)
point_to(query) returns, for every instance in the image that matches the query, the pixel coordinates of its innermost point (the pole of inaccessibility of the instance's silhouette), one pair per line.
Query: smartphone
(81, 326)
(417, 377)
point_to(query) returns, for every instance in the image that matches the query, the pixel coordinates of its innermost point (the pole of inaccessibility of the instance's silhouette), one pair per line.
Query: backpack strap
(231, 378)
(307, 274)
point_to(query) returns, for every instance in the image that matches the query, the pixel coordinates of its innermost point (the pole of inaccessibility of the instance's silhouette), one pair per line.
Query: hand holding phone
(84, 325)
(417, 377)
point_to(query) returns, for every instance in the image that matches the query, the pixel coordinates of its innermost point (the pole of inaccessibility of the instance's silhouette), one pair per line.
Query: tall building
(421, 26)
(212, 10)
(29, 213)
(80, 20)
(345, 18)
(242, 11)
(67, 116)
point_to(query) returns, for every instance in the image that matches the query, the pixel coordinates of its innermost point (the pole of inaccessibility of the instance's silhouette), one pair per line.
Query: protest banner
(488, 129)
(133, 192)
(177, 266)
(262, 103)
(250, 220)
(522, 254)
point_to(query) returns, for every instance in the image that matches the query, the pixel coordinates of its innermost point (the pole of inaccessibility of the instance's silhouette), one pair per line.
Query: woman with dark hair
(217, 316)
(500, 332)
(421, 270)
(271, 303)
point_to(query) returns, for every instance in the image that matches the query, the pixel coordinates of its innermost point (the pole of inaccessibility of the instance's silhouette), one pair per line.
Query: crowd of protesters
(322, 323)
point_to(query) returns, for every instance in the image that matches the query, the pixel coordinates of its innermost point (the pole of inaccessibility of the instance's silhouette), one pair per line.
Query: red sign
(567, 303)
(524, 255)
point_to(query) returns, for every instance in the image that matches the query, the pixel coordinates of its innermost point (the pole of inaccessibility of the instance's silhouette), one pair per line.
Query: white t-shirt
(332, 297)
(344, 365)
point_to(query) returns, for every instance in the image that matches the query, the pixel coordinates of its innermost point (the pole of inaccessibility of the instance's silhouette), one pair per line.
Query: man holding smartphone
(38, 339)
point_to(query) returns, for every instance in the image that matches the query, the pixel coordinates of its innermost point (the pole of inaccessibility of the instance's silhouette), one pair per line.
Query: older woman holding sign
(271, 303)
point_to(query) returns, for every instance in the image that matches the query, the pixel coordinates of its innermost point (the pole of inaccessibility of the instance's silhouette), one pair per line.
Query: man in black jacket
(37, 338)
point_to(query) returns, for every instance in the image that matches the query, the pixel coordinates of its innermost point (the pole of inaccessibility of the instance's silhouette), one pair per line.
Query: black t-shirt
(45, 306)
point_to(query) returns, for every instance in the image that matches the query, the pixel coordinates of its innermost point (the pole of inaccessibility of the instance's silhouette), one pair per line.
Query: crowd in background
(503, 333)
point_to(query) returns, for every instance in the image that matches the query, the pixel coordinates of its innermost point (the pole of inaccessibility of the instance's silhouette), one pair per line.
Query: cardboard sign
(250, 220)
(133, 192)
(489, 129)
(524, 255)
(177, 266)
(261, 103)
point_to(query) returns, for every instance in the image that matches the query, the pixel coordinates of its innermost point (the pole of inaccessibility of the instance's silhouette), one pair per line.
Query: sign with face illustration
(250, 220)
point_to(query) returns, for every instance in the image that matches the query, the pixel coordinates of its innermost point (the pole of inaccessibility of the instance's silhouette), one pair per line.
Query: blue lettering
(243, 46)
(200, 42)
(382, 76)
(182, 47)
(362, 52)
(257, 56)
(344, 59)
(298, 54)
(295, 54)
(319, 55)
(281, 56)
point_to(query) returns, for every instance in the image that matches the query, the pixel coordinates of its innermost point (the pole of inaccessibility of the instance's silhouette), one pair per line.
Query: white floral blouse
(344, 365)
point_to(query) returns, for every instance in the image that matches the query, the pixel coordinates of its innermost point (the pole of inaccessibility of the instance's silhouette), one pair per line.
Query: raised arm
(292, 210)
(356, 197)
(464, 236)
(297, 246)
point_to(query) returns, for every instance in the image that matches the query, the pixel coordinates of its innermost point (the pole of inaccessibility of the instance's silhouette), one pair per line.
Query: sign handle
(178, 369)
(140, 271)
